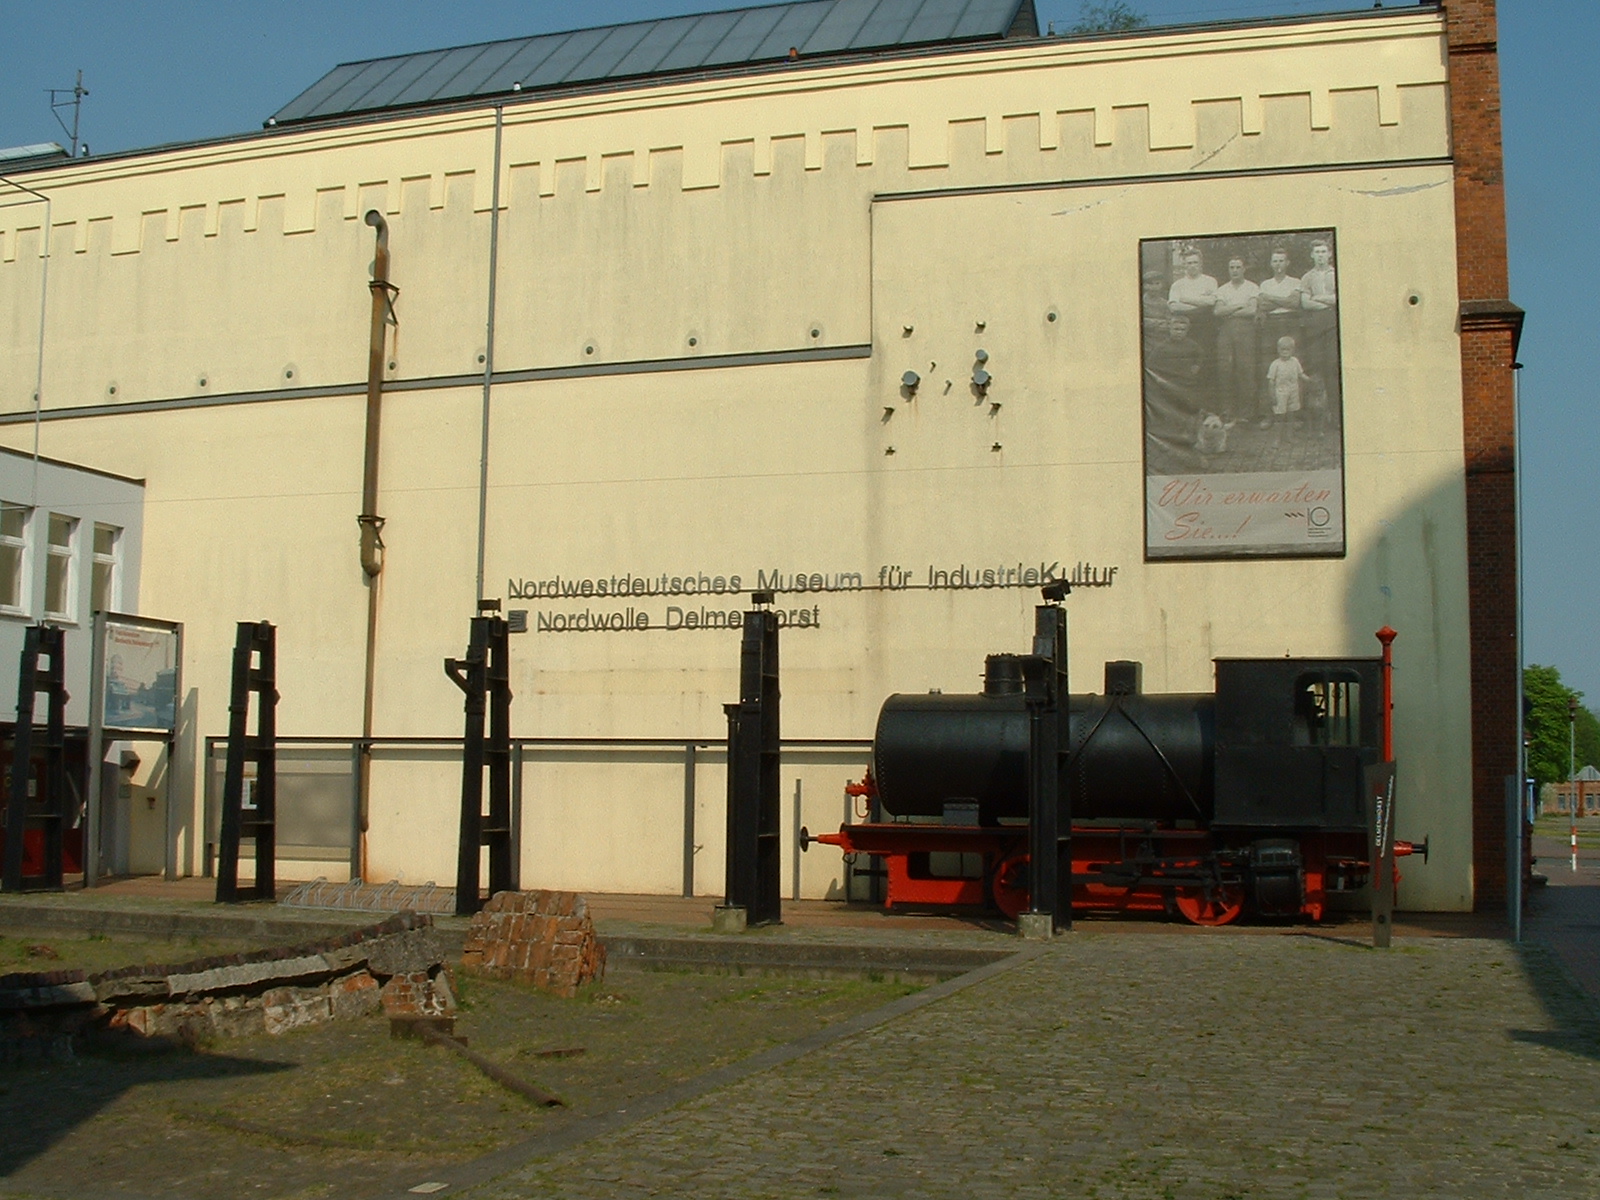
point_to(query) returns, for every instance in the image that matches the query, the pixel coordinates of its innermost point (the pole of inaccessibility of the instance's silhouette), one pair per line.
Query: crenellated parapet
(1229, 99)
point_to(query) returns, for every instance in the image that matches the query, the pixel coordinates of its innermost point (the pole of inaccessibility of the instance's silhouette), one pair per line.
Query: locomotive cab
(1293, 741)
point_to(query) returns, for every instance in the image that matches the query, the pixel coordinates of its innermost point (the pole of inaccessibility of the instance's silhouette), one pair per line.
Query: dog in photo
(1211, 436)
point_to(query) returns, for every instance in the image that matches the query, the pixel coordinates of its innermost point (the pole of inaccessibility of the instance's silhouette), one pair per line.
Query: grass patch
(60, 950)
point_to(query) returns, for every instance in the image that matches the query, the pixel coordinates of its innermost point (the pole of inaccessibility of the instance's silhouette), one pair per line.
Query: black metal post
(1049, 798)
(51, 811)
(484, 677)
(497, 834)
(1043, 825)
(21, 764)
(469, 674)
(689, 749)
(53, 682)
(233, 772)
(754, 850)
(264, 824)
(254, 672)
(21, 761)
(515, 882)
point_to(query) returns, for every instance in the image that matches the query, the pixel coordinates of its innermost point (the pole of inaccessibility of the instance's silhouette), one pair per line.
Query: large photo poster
(141, 674)
(1243, 413)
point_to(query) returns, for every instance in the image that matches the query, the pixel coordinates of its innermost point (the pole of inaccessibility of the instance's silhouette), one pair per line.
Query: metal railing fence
(320, 779)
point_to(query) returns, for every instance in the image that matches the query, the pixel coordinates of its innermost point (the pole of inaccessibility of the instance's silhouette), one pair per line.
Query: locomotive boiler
(1249, 798)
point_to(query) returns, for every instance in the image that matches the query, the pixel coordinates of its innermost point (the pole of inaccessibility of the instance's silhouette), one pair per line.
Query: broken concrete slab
(272, 991)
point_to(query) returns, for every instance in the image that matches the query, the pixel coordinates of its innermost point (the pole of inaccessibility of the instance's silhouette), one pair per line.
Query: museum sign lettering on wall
(1243, 412)
(714, 596)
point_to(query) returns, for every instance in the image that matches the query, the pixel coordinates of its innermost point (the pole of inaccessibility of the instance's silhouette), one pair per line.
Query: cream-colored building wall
(228, 256)
(799, 211)
(1069, 395)
(248, 515)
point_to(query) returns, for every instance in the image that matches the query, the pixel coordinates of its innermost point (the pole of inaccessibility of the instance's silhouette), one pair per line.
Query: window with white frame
(13, 557)
(60, 582)
(105, 587)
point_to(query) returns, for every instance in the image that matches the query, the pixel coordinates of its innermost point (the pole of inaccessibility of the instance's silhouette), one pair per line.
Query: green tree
(1107, 16)
(1588, 732)
(1547, 726)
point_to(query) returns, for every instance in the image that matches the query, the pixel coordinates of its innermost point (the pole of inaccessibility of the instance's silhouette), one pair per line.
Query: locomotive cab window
(1327, 709)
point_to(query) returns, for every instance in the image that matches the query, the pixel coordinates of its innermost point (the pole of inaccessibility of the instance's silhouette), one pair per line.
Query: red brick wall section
(419, 994)
(1490, 327)
(543, 938)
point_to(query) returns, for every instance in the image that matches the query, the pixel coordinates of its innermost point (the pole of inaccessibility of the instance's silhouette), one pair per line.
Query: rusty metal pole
(383, 294)
(1386, 637)
(371, 522)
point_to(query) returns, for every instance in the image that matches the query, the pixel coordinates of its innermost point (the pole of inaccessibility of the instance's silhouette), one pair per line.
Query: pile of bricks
(419, 997)
(543, 938)
(264, 991)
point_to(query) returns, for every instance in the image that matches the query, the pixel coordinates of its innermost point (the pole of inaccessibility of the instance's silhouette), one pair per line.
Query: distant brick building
(1557, 797)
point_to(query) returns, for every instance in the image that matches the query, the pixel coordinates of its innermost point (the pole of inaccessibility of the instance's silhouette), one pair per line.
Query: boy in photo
(1284, 378)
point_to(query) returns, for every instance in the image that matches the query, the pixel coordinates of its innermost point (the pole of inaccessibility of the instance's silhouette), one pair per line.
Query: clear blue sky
(174, 70)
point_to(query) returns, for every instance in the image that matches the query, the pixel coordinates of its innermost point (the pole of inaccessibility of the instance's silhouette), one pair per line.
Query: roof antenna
(77, 91)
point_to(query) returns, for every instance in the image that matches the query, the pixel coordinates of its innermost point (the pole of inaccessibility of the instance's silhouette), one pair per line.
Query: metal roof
(708, 41)
(40, 150)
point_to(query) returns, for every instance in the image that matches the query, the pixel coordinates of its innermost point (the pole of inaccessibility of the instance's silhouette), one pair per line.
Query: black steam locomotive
(1252, 798)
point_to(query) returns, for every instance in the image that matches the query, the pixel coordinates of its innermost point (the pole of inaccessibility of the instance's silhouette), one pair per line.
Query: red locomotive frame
(1124, 869)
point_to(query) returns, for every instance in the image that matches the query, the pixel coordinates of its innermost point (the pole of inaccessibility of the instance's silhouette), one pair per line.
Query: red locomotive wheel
(1215, 905)
(1009, 886)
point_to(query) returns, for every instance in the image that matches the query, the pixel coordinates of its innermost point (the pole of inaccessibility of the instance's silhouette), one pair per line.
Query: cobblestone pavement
(1112, 1067)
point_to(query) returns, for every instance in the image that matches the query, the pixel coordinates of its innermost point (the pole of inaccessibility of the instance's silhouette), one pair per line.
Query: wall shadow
(1407, 570)
(42, 1103)
(1560, 955)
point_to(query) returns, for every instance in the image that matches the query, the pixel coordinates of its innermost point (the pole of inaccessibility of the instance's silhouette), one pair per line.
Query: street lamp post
(1572, 771)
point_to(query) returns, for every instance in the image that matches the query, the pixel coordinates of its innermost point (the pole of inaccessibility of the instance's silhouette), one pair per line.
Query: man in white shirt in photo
(1235, 314)
(1319, 302)
(1192, 293)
